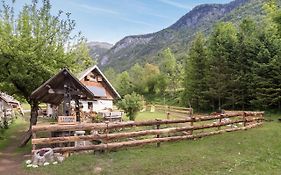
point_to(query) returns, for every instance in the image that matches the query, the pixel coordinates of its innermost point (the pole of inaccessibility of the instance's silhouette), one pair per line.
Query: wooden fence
(175, 110)
(128, 134)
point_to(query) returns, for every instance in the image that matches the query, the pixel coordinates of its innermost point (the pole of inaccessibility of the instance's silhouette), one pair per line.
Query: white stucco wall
(97, 105)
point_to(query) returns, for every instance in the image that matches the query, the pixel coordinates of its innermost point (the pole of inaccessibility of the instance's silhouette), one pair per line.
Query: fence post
(158, 136)
(106, 132)
(262, 118)
(191, 124)
(221, 116)
(168, 115)
(190, 112)
(245, 118)
(33, 137)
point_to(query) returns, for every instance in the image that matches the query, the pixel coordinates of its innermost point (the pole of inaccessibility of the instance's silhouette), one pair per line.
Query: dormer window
(99, 78)
(91, 77)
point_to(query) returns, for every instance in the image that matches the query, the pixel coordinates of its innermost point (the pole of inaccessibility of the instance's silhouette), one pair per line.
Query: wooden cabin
(98, 84)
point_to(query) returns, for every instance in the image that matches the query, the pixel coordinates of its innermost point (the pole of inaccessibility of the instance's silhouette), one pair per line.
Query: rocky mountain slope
(98, 49)
(144, 48)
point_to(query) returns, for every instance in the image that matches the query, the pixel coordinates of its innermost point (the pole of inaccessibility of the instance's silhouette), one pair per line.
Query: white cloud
(176, 4)
(144, 8)
(135, 21)
(112, 13)
(97, 9)
(159, 16)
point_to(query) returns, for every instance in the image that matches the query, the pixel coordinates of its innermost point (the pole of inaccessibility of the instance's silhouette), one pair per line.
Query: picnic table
(111, 116)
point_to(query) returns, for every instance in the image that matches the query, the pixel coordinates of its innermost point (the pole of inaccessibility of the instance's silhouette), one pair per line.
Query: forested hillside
(236, 66)
(146, 48)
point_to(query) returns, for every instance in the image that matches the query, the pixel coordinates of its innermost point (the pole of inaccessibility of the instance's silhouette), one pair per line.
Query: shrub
(131, 104)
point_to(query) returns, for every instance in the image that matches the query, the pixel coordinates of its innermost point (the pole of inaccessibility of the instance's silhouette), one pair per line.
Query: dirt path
(11, 160)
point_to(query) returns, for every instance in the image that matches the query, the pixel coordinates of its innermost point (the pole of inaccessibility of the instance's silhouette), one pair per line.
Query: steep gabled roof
(57, 83)
(82, 75)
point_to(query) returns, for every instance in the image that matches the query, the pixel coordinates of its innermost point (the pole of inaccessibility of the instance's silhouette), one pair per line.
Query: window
(90, 105)
(93, 78)
(90, 77)
(99, 78)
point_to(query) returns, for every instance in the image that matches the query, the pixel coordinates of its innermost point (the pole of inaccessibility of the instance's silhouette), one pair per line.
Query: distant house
(102, 89)
(4, 105)
(7, 104)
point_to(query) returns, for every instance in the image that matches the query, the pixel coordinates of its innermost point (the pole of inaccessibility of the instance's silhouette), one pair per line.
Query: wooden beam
(111, 146)
(113, 136)
(99, 126)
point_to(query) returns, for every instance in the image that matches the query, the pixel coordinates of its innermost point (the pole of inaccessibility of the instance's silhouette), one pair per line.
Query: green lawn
(147, 115)
(14, 132)
(255, 151)
(6, 134)
(25, 106)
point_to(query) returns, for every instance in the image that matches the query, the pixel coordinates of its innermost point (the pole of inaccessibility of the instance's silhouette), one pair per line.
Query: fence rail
(172, 109)
(113, 139)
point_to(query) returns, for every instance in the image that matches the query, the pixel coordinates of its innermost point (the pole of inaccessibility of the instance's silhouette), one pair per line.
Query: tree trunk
(233, 100)
(197, 104)
(219, 102)
(243, 104)
(33, 120)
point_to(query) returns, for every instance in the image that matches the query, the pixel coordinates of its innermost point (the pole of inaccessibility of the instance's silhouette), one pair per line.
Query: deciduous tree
(34, 45)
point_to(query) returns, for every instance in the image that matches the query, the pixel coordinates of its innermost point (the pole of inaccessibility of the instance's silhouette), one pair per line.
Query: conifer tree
(195, 74)
(222, 45)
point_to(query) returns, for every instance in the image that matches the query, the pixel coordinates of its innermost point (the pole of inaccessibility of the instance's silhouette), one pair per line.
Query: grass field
(255, 151)
(6, 134)
(147, 115)
(25, 106)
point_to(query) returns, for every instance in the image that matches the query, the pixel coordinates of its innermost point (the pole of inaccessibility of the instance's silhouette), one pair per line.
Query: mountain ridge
(144, 48)
(97, 49)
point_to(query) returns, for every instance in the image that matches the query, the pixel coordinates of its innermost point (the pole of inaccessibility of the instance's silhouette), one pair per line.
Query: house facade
(98, 84)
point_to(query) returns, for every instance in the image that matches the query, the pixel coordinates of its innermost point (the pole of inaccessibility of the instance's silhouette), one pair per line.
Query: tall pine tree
(222, 45)
(195, 84)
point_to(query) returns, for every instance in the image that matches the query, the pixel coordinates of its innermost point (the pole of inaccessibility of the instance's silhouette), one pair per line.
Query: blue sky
(111, 20)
